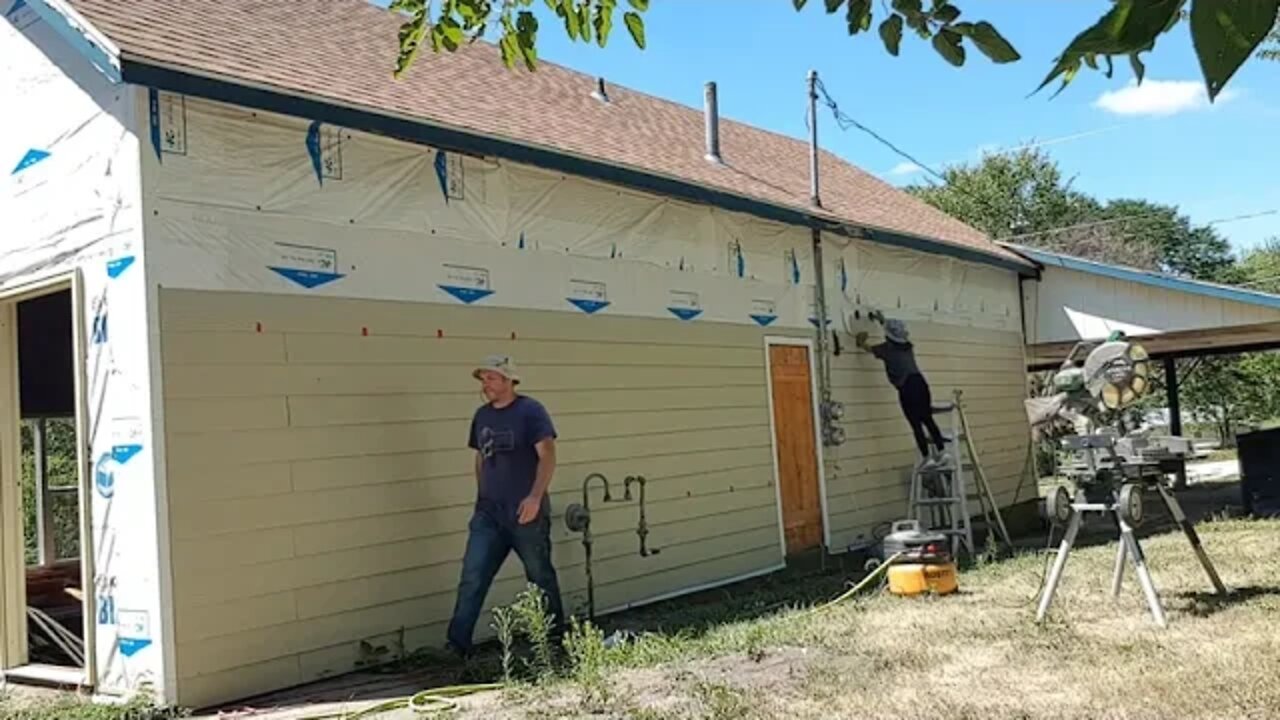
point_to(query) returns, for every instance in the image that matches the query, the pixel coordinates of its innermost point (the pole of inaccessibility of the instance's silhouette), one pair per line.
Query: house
(281, 264)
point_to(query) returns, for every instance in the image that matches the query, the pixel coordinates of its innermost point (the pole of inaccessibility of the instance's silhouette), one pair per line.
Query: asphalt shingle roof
(343, 51)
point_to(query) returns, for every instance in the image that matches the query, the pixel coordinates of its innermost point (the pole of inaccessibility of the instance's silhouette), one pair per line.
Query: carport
(1173, 318)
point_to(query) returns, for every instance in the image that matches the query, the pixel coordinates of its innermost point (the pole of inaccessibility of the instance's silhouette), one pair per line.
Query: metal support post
(1175, 413)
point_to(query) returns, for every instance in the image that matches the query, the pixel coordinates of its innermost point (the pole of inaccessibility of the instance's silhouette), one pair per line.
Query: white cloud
(1159, 98)
(905, 168)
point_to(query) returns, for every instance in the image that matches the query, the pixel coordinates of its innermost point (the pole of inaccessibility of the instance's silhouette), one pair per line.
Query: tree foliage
(462, 22)
(1023, 197)
(1225, 33)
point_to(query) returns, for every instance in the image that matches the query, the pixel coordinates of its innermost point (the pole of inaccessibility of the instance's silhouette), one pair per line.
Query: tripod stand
(1126, 507)
(1124, 502)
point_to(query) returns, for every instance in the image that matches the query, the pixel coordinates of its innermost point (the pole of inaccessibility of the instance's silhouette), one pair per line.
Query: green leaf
(947, 43)
(572, 22)
(859, 16)
(992, 43)
(946, 13)
(799, 4)
(450, 33)
(640, 5)
(1225, 33)
(584, 21)
(908, 7)
(1139, 69)
(1091, 60)
(604, 21)
(833, 5)
(1130, 26)
(891, 34)
(527, 38)
(510, 50)
(635, 26)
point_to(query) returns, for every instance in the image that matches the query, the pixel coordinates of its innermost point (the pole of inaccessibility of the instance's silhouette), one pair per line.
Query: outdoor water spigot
(642, 528)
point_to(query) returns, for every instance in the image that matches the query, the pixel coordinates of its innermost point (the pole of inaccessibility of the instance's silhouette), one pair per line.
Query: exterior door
(795, 442)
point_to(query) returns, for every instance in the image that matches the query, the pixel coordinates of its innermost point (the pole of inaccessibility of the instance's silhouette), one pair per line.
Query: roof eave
(81, 35)
(150, 73)
(1045, 258)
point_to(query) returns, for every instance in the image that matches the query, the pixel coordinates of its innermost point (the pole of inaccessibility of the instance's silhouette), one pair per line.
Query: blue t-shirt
(505, 438)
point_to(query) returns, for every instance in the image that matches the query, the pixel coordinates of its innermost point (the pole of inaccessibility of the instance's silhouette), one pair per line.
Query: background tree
(1023, 197)
(1225, 33)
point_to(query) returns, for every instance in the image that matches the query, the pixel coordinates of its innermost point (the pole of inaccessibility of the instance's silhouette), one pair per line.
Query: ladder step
(938, 501)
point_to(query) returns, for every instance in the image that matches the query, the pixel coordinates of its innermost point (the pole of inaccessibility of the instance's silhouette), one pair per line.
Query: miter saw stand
(1125, 504)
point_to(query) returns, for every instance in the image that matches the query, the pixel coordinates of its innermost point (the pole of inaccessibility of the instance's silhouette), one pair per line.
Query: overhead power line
(845, 121)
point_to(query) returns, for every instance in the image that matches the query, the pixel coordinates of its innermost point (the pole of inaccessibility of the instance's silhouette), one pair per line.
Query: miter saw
(1109, 469)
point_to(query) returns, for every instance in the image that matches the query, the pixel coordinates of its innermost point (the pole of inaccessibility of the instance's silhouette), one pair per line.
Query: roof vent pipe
(600, 93)
(713, 123)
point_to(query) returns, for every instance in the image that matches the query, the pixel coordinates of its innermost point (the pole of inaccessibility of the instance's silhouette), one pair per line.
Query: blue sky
(1162, 142)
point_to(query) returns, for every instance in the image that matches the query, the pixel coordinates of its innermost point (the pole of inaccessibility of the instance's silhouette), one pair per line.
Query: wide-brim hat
(896, 330)
(501, 364)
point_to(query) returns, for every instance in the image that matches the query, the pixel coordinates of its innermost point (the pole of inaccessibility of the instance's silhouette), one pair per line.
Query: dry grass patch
(976, 654)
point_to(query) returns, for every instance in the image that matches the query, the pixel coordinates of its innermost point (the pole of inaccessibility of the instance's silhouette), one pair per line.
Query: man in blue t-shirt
(515, 444)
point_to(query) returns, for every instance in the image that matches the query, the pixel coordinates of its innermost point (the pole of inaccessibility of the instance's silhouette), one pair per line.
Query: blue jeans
(494, 532)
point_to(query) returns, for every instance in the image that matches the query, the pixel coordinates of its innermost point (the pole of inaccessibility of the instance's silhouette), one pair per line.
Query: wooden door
(791, 385)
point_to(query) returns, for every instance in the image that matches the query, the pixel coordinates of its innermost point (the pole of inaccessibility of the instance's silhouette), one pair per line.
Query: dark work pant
(493, 533)
(917, 405)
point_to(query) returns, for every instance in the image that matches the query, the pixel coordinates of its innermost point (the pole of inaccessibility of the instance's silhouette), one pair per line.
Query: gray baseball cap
(501, 364)
(896, 330)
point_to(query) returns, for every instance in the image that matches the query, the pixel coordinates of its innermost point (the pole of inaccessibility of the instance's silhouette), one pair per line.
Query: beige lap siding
(867, 477)
(319, 483)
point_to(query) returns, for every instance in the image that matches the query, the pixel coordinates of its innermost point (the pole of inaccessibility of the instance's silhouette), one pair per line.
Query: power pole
(819, 282)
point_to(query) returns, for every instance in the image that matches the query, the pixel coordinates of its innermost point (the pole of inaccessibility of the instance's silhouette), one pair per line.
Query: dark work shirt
(505, 438)
(899, 361)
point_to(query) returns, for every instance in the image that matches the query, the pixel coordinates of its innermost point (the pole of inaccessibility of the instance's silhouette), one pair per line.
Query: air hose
(436, 701)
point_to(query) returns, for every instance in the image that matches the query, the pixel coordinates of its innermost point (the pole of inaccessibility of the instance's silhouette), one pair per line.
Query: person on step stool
(899, 358)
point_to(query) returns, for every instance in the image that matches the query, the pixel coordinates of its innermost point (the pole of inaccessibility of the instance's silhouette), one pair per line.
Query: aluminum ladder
(939, 497)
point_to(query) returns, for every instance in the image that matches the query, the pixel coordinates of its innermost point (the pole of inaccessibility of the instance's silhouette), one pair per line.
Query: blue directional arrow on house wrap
(14, 10)
(442, 173)
(685, 313)
(313, 149)
(33, 157)
(589, 307)
(116, 267)
(764, 320)
(306, 278)
(132, 646)
(124, 453)
(814, 321)
(467, 295)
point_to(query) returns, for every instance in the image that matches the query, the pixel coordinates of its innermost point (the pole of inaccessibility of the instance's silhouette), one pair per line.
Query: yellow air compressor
(924, 565)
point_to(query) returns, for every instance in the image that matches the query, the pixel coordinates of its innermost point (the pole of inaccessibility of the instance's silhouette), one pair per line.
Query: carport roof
(1148, 277)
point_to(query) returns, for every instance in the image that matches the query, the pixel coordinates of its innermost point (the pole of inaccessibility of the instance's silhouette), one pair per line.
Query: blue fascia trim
(1154, 279)
(141, 73)
(106, 63)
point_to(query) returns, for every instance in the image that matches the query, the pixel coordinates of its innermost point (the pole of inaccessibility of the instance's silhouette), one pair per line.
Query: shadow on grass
(1206, 604)
(693, 616)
